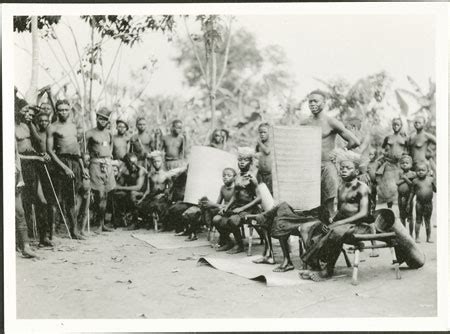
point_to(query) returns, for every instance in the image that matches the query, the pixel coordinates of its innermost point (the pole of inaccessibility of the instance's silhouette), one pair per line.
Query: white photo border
(438, 10)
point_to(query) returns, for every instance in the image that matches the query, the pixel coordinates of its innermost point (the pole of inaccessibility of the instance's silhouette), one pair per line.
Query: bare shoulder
(363, 188)
(334, 123)
(306, 121)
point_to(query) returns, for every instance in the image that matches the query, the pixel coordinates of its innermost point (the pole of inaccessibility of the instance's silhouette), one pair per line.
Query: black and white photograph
(251, 164)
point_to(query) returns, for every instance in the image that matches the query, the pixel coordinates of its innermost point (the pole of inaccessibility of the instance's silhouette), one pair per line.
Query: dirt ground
(114, 275)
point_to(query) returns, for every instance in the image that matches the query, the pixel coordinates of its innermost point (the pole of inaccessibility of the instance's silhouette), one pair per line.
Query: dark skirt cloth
(327, 247)
(281, 221)
(67, 188)
(173, 219)
(329, 181)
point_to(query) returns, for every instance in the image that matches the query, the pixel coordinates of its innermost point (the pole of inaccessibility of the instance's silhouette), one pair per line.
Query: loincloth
(68, 188)
(387, 176)
(102, 174)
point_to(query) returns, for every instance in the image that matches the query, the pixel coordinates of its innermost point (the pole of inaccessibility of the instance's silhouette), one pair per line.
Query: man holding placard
(330, 128)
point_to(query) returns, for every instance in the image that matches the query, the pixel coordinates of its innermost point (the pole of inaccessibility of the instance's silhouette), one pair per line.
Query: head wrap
(155, 154)
(246, 152)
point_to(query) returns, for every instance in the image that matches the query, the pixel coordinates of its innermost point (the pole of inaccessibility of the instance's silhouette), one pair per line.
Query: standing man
(174, 146)
(45, 186)
(141, 143)
(330, 128)
(419, 142)
(264, 156)
(99, 145)
(63, 147)
(120, 140)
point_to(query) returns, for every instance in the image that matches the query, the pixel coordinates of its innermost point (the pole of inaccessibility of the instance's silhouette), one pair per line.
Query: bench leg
(355, 268)
(155, 221)
(347, 261)
(250, 239)
(395, 263)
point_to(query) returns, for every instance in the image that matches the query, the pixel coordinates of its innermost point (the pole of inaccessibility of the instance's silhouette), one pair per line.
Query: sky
(317, 46)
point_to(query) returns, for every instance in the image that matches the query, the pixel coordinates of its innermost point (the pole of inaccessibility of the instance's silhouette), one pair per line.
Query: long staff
(57, 201)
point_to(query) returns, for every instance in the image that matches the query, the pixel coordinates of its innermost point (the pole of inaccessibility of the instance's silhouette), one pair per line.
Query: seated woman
(353, 216)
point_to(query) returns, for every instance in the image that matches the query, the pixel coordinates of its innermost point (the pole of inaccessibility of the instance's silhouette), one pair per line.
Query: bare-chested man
(141, 143)
(45, 186)
(353, 216)
(99, 144)
(330, 128)
(419, 142)
(121, 141)
(174, 146)
(155, 201)
(63, 147)
(31, 161)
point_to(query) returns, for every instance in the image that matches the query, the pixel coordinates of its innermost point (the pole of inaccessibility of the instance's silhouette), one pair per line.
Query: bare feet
(191, 238)
(27, 252)
(78, 236)
(430, 241)
(225, 247)
(417, 241)
(264, 260)
(46, 243)
(236, 249)
(181, 234)
(107, 229)
(283, 268)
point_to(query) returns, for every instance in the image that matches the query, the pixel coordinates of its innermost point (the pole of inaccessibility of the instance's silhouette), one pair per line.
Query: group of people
(140, 179)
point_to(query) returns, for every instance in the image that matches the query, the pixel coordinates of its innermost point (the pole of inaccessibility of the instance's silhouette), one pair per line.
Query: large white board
(296, 165)
(205, 172)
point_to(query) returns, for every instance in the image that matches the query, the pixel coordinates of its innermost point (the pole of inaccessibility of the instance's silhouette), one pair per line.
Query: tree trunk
(212, 93)
(92, 114)
(31, 94)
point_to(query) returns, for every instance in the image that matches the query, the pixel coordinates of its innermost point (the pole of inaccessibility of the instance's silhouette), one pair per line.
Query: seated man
(155, 201)
(353, 216)
(130, 188)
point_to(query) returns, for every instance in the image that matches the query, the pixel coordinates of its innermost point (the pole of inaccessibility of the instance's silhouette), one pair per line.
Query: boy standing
(404, 186)
(423, 188)
(264, 156)
(141, 143)
(120, 140)
(174, 146)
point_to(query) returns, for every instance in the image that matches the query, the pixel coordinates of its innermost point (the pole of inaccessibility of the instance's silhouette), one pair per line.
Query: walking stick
(57, 201)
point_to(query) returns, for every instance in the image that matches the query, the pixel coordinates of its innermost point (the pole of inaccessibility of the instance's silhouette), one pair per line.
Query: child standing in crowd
(264, 156)
(404, 185)
(372, 168)
(423, 188)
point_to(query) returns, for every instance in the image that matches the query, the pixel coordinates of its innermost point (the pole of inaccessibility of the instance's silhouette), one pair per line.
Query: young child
(264, 156)
(404, 186)
(216, 210)
(423, 188)
(372, 168)
(244, 201)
